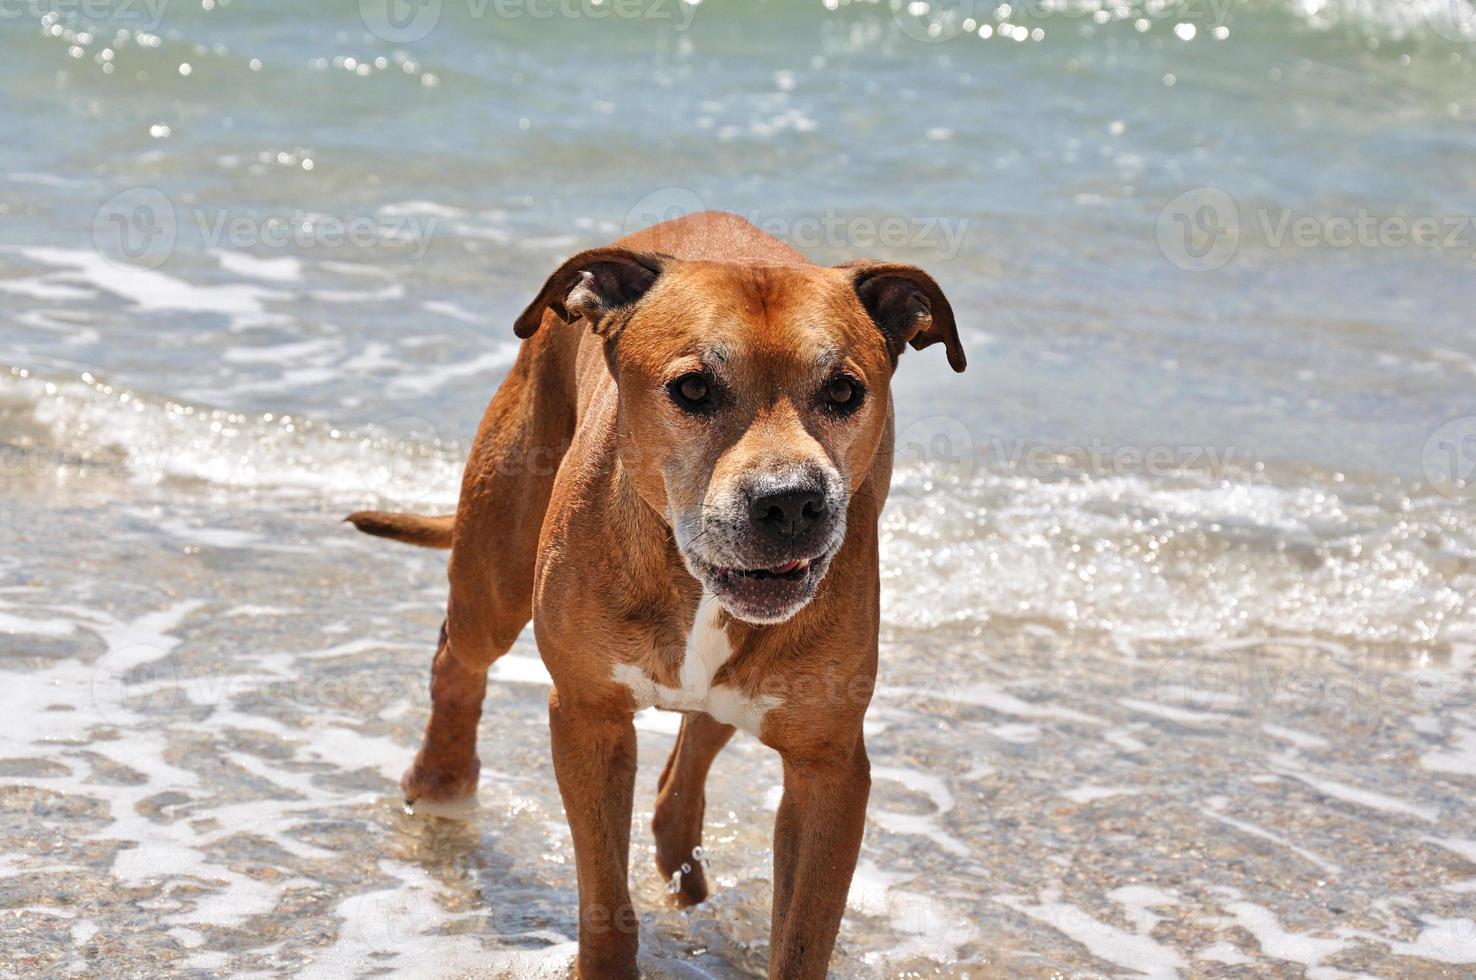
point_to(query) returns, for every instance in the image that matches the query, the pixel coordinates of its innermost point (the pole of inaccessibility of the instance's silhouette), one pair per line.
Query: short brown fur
(564, 517)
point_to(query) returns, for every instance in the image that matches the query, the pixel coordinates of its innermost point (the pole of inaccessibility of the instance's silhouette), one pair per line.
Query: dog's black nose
(788, 513)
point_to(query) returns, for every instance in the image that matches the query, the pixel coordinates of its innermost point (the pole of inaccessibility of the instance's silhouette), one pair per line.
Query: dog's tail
(428, 532)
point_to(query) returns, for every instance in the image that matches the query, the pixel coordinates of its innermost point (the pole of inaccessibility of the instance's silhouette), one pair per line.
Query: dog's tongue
(787, 567)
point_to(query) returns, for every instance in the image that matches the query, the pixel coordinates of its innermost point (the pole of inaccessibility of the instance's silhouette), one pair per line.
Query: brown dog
(683, 493)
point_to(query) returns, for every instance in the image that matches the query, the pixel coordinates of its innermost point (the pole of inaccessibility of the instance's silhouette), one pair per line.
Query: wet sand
(209, 696)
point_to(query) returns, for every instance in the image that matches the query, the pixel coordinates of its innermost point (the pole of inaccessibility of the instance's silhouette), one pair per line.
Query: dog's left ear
(592, 284)
(908, 307)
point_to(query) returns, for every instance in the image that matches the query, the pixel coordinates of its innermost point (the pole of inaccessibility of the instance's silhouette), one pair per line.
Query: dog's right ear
(592, 284)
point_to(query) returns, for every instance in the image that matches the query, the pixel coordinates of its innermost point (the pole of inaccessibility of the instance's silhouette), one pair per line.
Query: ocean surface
(1179, 644)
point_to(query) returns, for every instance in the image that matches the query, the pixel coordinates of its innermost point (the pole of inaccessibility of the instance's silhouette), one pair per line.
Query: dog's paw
(686, 880)
(434, 789)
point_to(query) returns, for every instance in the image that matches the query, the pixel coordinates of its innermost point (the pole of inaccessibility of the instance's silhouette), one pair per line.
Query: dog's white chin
(762, 618)
(762, 602)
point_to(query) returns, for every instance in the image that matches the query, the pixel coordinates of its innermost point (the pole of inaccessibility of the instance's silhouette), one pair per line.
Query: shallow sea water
(1178, 632)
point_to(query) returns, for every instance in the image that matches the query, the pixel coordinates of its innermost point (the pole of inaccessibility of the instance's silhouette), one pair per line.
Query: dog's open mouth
(766, 595)
(791, 571)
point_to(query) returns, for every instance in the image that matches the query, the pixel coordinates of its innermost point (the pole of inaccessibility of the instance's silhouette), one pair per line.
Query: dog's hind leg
(680, 801)
(504, 494)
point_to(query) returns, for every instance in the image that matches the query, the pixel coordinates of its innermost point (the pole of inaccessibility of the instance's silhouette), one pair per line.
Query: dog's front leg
(680, 802)
(594, 752)
(817, 837)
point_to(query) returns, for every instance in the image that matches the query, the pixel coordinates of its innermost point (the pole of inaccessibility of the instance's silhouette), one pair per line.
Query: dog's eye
(843, 394)
(692, 392)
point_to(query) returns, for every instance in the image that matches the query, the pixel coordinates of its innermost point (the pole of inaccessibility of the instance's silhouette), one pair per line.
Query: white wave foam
(1266, 835)
(150, 290)
(1292, 767)
(1279, 943)
(929, 825)
(158, 439)
(1460, 758)
(1442, 20)
(403, 930)
(1182, 558)
(933, 929)
(1091, 794)
(285, 268)
(1135, 950)
(1447, 19)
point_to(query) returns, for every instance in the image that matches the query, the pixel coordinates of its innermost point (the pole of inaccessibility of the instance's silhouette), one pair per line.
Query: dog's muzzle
(762, 550)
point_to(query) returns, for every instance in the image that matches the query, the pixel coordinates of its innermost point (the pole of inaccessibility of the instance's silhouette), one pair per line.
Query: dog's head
(751, 401)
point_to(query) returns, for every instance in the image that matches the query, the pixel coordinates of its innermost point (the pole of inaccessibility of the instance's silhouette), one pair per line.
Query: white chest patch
(707, 651)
